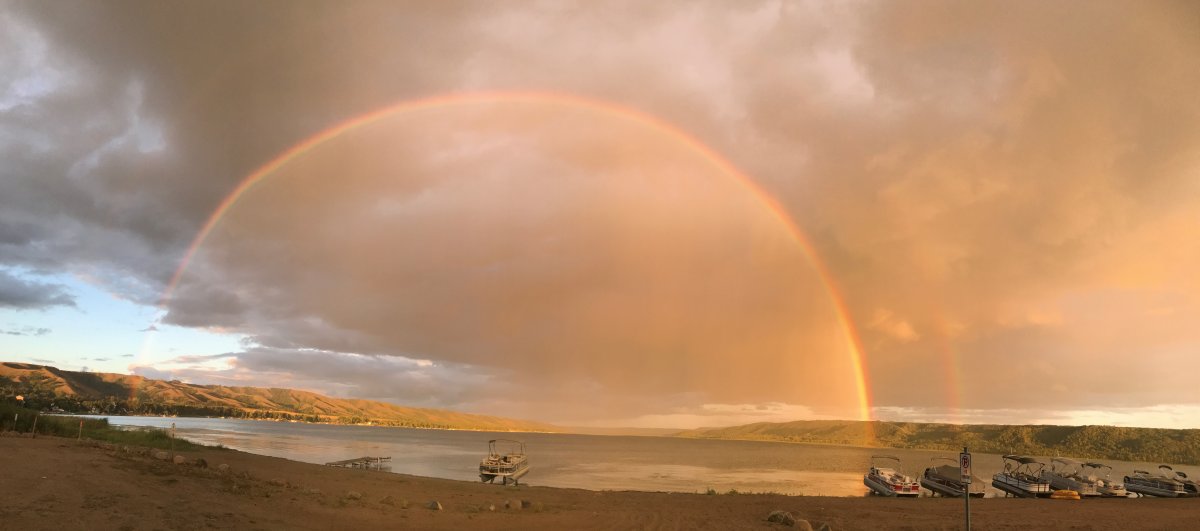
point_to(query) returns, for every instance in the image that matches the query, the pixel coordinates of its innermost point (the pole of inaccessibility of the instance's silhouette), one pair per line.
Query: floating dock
(365, 463)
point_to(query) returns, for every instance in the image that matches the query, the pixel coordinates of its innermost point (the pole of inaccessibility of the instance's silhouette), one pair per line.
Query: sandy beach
(53, 483)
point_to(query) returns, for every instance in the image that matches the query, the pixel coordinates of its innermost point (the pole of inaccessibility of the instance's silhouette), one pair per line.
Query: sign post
(964, 465)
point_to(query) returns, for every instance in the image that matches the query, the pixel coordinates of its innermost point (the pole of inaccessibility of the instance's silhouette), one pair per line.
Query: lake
(595, 462)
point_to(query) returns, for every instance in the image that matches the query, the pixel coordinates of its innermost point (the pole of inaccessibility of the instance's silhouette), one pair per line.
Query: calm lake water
(596, 462)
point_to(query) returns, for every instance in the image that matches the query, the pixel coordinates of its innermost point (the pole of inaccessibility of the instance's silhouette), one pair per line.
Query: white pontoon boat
(1022, 477)
(890, 481)
(508, 465)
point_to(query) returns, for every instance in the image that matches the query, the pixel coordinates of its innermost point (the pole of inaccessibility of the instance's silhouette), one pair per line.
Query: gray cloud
(20, 294)
(1001, 192)
(396, 379)
(27, 331)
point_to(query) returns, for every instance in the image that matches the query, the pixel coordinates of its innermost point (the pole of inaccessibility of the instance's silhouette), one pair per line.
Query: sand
(52, 483)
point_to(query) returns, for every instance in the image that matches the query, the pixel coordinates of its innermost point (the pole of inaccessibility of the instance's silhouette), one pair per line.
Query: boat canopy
(505, 440)
(515, 446)
(1024, 460)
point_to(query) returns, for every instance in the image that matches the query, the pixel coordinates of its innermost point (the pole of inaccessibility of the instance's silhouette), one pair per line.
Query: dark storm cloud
(999, 189)
(20, 294)
(154, 111)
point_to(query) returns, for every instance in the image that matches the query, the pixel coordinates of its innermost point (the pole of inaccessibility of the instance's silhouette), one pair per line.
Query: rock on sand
(782, 517)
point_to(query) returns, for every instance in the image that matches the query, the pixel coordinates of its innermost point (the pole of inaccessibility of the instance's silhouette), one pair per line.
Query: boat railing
(498, 468)
(503, 464)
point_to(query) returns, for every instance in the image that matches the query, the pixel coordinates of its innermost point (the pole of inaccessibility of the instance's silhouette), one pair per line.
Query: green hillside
(1096, 442)
(46, 387)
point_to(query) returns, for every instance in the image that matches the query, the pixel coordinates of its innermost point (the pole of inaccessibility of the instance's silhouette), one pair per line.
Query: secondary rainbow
(853, 344)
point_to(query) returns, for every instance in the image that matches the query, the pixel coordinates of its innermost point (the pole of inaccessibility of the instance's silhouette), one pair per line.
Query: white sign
(964, 466)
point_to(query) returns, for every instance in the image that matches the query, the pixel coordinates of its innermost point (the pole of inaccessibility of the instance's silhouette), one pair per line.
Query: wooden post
(80, 436)
(172, 437)
(34, 430)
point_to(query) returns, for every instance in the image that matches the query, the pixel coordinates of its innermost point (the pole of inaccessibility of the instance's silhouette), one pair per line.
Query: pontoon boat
(511, 465)
(1190, 486)
(890, 481)
(1021, 477)
(1106, 485)
(946, 480)
(1069, 474)
(1146, 484)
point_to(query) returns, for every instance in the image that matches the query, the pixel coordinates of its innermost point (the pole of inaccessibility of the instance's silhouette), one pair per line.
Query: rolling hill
(106, 393)
(1095, 442)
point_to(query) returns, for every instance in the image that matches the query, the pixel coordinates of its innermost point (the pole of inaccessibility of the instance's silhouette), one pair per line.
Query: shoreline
(288, 421)
(568, 430)
(55, 483)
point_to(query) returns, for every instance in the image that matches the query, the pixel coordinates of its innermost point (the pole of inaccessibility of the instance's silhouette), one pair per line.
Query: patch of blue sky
(102, 332)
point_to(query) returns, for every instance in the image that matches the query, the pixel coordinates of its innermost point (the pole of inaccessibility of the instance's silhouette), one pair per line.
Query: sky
(649, 214)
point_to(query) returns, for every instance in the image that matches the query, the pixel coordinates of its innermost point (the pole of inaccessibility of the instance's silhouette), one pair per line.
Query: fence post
(34, 430)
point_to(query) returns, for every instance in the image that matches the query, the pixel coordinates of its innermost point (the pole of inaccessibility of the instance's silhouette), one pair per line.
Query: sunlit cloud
(1005, 200)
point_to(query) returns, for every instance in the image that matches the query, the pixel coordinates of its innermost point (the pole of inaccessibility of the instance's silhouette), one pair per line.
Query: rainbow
(853, 343)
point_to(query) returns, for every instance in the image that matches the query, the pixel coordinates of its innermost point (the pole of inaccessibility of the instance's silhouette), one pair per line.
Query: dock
(365, 463)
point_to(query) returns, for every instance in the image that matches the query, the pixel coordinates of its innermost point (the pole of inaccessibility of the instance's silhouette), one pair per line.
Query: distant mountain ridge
(1154, 445)
(108, 393)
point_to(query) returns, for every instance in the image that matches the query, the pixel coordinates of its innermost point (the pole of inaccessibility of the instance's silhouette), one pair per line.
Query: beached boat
(946, 480)
(1146, 484)
(890, 481)
(506, 465)
(1083, 478)
(1190, 486)
(1022, 478)
(1105, 484)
